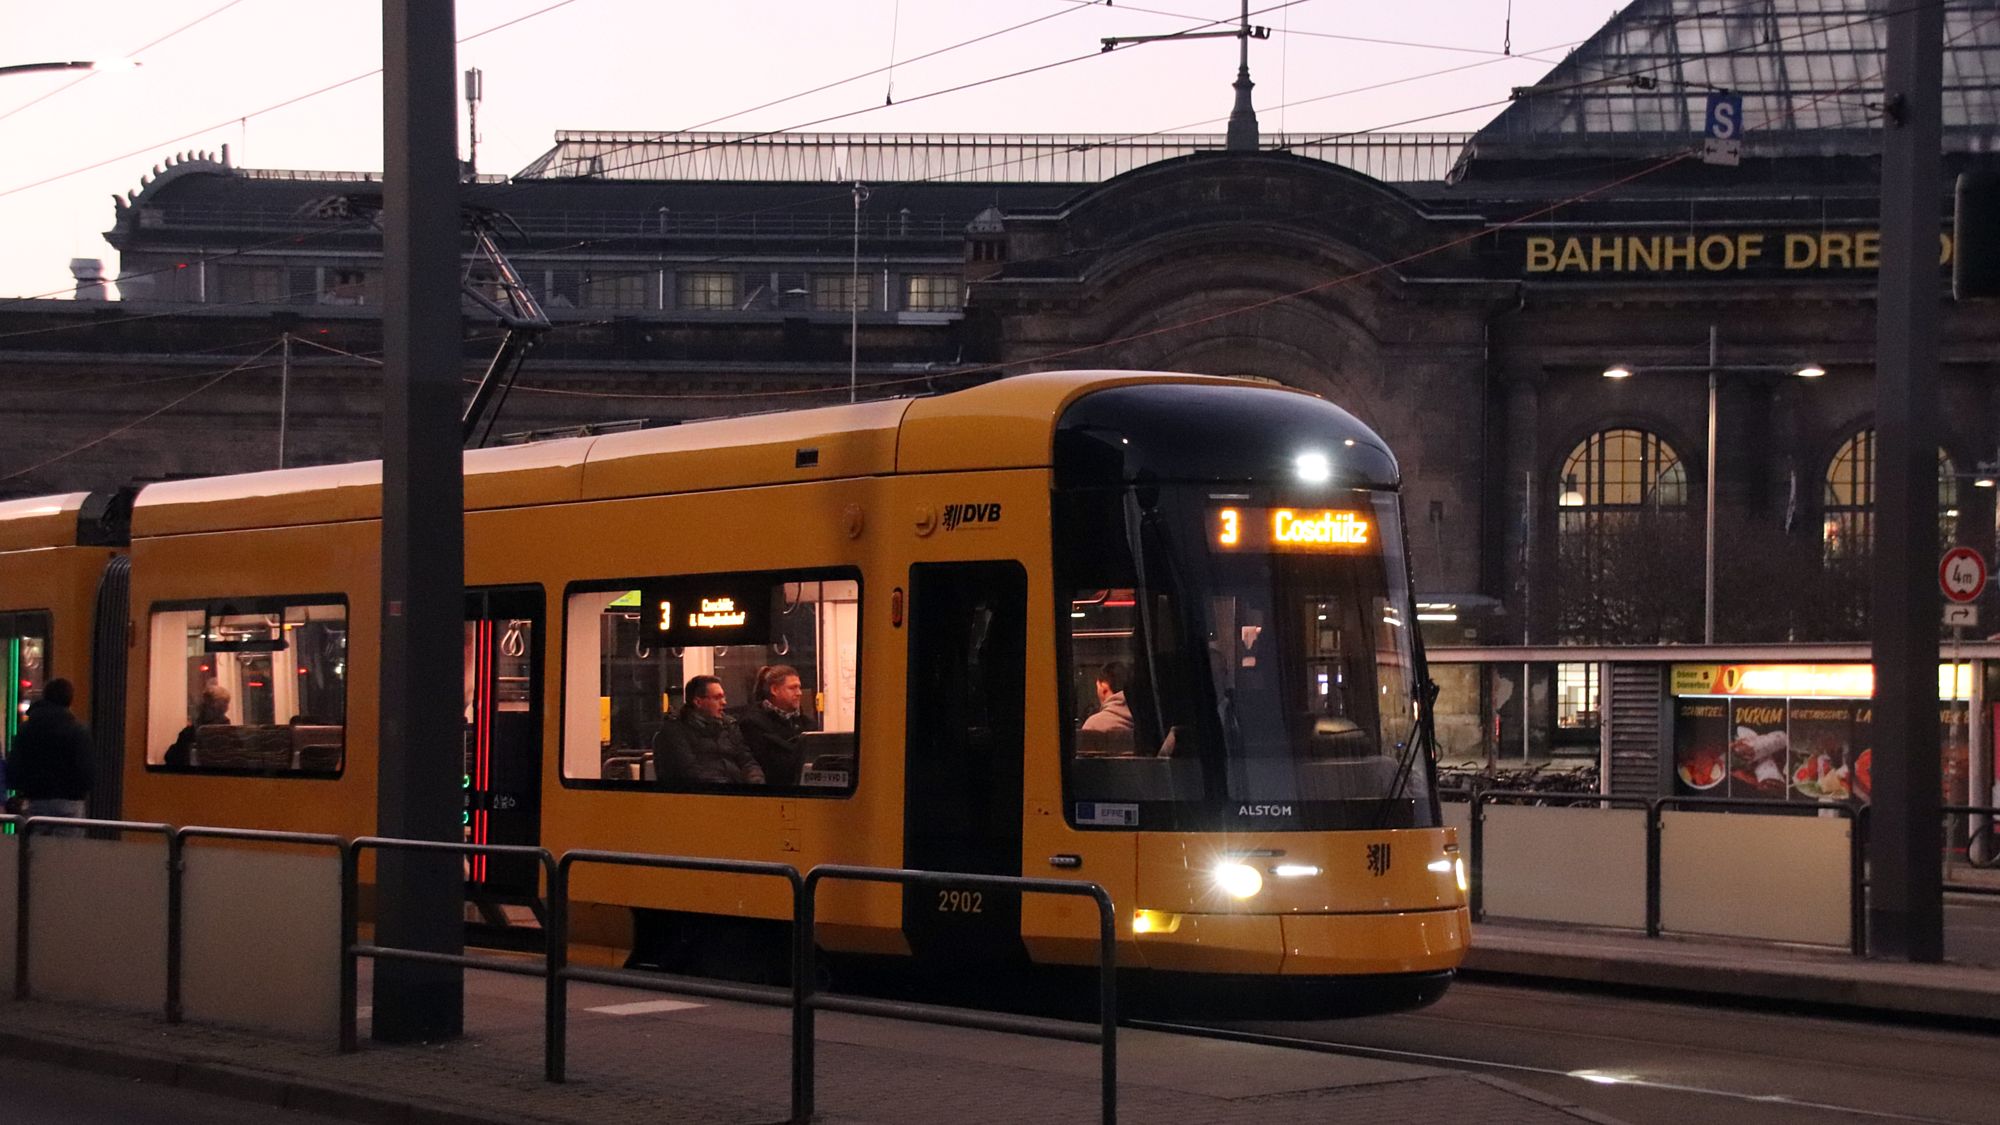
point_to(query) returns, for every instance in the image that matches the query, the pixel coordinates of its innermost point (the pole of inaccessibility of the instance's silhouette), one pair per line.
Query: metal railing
(352, 949)
(812, 1000)
(564, 972)
(1654, 806)
(802, 997)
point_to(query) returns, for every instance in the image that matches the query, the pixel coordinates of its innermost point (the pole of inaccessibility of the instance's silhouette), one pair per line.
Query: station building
(1464, 294)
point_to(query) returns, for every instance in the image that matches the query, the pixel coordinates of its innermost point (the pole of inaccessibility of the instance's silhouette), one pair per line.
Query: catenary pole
(1708, 512)
(1905, 907)
(420, 897)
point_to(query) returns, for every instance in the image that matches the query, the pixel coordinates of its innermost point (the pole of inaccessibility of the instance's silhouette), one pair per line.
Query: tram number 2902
(961, 902)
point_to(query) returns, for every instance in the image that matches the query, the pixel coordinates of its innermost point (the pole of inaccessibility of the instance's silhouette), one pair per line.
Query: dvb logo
(958, 514)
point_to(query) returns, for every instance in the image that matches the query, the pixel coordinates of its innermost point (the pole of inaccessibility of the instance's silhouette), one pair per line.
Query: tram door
(963, 748)
(503, 740)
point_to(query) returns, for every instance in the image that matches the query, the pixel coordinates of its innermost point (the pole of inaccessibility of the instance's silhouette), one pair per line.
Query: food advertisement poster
(1759, 749)
(1701, 747)
(1822, 749)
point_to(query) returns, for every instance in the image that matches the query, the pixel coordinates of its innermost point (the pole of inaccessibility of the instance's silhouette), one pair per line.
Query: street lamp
(27, 68)
(1714, 368)
(74, 64)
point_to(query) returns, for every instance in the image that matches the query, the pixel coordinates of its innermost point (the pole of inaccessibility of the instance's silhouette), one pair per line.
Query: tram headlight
(1454, 866)
(1238, 880)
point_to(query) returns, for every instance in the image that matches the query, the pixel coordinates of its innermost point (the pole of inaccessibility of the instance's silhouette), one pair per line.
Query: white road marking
(646, 1007)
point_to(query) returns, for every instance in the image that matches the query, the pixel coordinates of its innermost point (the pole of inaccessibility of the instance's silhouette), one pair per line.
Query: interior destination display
(1291, 529)
(716, 610)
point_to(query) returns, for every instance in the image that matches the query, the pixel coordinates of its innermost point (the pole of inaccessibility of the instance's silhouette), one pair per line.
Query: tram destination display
(1235, 530)
(713, 610)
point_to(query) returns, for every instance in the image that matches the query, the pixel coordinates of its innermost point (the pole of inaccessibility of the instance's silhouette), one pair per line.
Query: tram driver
(1108, 730)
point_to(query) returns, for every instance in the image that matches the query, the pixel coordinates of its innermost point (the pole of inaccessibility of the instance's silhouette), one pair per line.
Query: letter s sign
(1725, 116)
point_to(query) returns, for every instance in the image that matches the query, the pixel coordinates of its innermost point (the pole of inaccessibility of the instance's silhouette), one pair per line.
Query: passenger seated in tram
(702, 743)
(774, 721)
(212, 708)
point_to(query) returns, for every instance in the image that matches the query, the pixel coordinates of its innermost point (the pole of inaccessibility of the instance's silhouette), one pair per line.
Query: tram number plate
(961, 902)
(1103, 815)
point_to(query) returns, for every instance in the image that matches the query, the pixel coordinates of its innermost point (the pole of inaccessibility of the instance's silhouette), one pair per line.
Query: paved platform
(704, 1061)
(1963, 989)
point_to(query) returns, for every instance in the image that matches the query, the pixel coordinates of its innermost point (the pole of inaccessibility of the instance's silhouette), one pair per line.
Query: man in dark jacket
(52, 763)
(772, 725)
(701, 744)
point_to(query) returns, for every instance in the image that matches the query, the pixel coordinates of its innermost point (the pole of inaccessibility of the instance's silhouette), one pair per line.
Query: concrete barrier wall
(97, 923)
(1575, 864)
(261, 939)
(1779, 878)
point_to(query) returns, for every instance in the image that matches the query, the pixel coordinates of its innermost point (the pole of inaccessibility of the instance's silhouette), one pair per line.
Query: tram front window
(1239, 657)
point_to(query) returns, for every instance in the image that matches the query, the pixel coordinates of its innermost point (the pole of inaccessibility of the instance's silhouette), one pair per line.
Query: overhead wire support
(514, 305)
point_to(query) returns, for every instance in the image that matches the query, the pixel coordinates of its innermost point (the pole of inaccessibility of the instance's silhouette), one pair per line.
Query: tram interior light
(1617, 371)
(1238, 880)
(1313, 467)
(1809, 371)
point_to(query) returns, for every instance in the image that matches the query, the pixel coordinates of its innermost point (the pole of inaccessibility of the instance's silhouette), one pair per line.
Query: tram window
(632, 645)
(24, 649)
(249, 686)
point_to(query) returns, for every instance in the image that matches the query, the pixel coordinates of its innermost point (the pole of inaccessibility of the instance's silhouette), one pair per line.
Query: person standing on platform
(53, 764)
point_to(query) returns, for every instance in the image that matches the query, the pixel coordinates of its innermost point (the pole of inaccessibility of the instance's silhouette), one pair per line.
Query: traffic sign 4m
(1962, 574)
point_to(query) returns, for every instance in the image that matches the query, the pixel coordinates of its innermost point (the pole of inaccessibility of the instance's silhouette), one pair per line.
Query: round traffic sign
(1962, 574)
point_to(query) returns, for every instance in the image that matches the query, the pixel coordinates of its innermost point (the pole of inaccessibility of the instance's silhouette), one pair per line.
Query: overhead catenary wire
(656, 138)
(942, 373)
(930, 377)
(140, 421)
(235, 119)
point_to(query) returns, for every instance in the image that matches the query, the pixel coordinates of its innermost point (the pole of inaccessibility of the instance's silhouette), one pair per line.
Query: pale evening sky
(660, 66)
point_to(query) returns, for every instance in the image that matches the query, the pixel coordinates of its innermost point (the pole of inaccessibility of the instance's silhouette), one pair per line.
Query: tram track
(1587, 1077)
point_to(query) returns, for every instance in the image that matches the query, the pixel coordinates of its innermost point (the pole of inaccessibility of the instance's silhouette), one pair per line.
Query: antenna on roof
(475, 91)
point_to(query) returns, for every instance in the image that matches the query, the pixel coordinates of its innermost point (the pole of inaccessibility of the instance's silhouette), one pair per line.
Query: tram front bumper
(1416, 941)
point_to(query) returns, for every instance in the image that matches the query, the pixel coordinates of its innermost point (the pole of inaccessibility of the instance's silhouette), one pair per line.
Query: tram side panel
(813, 552)
(48, 599)
(968, 530)
(285, 622)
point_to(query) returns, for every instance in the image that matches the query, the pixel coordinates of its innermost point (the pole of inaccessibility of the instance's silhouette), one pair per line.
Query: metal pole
(1708, 524)
(284, 394)
(854, 298)
(420, 895)
(1906, 842)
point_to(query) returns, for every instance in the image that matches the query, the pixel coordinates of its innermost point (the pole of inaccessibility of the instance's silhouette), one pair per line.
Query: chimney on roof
(89, 275)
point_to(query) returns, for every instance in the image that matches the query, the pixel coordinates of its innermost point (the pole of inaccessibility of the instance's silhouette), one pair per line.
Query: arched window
(1627, 569)
(1619, 471)
(1849, 528)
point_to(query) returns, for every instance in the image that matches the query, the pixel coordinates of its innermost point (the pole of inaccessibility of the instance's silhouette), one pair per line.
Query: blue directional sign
(1725, 117)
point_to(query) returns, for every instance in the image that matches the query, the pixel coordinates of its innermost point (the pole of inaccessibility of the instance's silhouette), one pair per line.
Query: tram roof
(1008, 423)
(40, 521)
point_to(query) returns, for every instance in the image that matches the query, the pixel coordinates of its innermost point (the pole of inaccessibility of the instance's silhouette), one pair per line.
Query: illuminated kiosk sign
(1803, 681)
(717, 610)
(1290, 529)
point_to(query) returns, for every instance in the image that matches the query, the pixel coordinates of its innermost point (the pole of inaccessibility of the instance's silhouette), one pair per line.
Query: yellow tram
(1150, 630)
